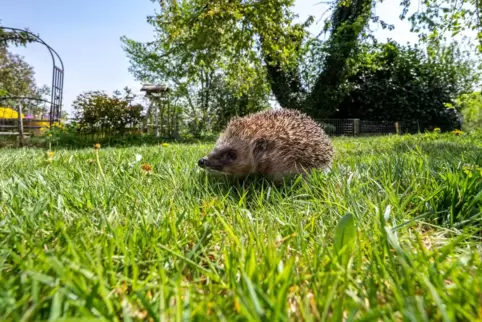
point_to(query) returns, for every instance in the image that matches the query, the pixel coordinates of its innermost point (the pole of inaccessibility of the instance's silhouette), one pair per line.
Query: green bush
(472, 111)
(389, 82)
(97, 112)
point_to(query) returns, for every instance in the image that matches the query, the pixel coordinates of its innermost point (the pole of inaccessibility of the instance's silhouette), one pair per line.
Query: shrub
(471, 105)
(96, 112)
(389, 82)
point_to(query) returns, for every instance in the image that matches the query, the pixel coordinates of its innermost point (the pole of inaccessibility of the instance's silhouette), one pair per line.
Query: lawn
(85, 235)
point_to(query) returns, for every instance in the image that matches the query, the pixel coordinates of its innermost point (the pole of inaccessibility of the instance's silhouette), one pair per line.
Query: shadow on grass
(248, 190)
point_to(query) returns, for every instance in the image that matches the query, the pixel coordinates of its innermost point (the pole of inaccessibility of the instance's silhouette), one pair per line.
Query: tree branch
(285, 85)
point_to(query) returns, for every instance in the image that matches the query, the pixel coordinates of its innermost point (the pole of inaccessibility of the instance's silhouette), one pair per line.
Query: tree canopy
(471, 106)
(392, 82)
(17, 77)
(256, 47)
(438, 21)
(248, 41)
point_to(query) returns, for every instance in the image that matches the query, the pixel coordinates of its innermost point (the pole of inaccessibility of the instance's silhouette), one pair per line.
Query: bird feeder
(160, 92)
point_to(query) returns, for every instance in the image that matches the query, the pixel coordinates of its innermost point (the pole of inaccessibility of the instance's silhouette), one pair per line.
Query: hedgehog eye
(231, 155)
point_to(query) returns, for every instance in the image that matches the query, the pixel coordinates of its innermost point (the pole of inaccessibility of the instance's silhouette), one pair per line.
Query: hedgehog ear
(260, 146)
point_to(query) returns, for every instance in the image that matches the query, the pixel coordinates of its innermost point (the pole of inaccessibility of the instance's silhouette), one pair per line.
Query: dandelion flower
(237, 306)
(437, 129)
(50, 156)
(470, 169)
(457, 132)
(97, 146)
(164, 145)
(146, 167)
(468, 172)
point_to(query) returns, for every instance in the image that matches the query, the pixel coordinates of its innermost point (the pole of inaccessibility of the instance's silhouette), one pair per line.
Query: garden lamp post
(159, 92)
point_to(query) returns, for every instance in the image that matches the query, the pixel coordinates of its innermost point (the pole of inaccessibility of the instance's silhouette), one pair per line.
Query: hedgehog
(275, 143)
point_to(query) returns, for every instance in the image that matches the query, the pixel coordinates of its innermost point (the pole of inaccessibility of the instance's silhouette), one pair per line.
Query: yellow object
(146, 167)
(9, 113)
(41, 123)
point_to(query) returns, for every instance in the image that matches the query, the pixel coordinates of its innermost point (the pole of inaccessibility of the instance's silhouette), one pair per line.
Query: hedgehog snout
(201, 162)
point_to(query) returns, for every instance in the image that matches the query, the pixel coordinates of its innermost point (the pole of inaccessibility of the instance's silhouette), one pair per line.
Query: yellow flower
(97, 146)
(50, 154)
(50, 134)
(468, 172)
(237, 306)
(470, 169)
(164, 145)
(437, 129)
(457, 132)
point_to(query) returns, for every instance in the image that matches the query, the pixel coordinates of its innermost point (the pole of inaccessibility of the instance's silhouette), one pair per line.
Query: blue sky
(86, 34)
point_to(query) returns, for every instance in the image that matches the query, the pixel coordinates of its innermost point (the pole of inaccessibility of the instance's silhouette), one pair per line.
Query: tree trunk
(348, 21)
(286, 86)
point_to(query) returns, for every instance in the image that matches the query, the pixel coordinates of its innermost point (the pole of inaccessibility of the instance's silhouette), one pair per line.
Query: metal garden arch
(57, 75)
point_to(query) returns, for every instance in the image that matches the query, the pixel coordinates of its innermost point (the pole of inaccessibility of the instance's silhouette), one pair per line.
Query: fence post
(356, 126)
(20, 124)
(397, 128)
(156, 120)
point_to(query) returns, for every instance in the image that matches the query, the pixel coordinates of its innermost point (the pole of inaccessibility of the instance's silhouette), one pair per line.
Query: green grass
(118, 243)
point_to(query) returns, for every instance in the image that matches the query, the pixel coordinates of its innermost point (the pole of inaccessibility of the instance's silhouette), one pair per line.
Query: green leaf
(56, 308)
(345, 237)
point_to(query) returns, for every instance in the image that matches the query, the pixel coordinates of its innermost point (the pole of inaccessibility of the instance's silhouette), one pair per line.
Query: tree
(225, 103)
(195, 83)
(97, 112)
(471, 106)
(389, 82)
(438, 21)
(17, 77)
(250, 39)
(348, 21)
